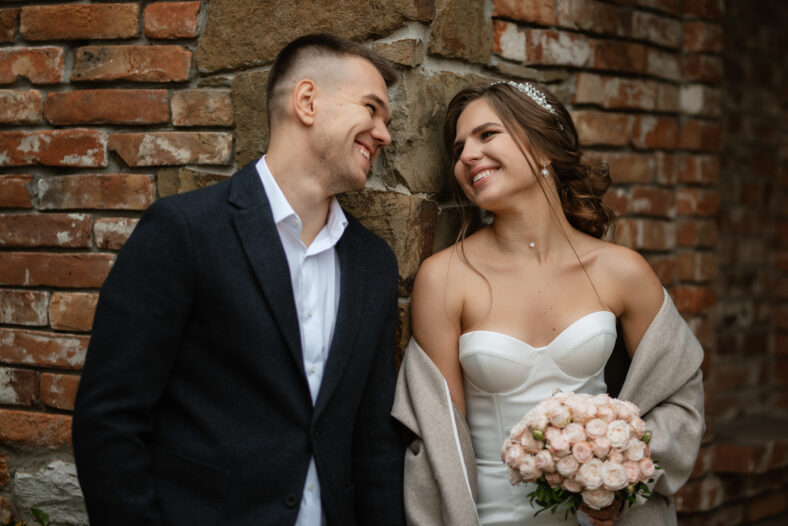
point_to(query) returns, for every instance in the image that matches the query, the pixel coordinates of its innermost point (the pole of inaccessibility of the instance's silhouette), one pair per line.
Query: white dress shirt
(314, 273)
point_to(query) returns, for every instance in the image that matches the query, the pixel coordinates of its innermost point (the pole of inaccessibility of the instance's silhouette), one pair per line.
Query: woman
(529, 302)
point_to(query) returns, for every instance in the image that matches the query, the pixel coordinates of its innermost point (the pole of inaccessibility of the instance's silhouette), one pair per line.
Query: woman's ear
(304, 95)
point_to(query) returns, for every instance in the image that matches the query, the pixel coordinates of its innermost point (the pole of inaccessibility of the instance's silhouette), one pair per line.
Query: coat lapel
(254, 223)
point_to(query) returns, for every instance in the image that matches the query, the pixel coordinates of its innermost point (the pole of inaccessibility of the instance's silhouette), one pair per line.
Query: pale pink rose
(606, 413)
(546, 405)
(596, 427)
(632, 409)
(554, 479)
(536, 421)
(590, 474)
(614, 476)
(559, 416)
(514, 455)
(559, 445)
(616, 456)
(574, 433)
(544, 461)
(567, 466)
(633, 471)
(618, 433)
(601, 447)
(635, 450)
(582, 408)
(647, 469)
(530, 444)
(638, 426)
(601, 399)
(622, 412)
(514, 476)
(572, 485)
(583, 452)
(552, 433)
(528, 470)
(562, 395)
(517, 431)
(507, 443)
(598, 498)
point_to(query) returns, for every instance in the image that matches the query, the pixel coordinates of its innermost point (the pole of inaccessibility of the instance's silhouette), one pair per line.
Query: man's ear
(304, 95)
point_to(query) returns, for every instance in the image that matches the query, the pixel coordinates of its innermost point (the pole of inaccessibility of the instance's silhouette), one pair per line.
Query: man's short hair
(320, 44)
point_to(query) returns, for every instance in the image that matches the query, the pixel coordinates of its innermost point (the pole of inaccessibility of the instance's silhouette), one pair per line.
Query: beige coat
(664, 380)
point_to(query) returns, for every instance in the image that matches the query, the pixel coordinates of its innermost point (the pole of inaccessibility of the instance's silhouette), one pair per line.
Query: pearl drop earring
(545, 171)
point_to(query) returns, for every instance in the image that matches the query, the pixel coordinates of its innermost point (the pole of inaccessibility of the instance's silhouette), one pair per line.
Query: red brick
(587, 15)
(44, 230)
(170, 20)
(8, 19)
(39, 65)
(652, 201)
(703, 68)
(703, 169)
(696, 233)
(75, 147)
(697, 201)
(618, 55)
(743, 457)
(132, 63)
(669, 6)
(111, 233)
(536, 11)
(509, 40)
(5, 480)
(645, 234)
(20, 107)
(18, 386)
(43, 349)
(668, 97)
(661, 30)
(172, 148)
(32, 269)
(663, 64)
(597, 127)
(767, 505)
(700, 495)
(704, 464)
(21, 428)
(702, 37)
(551, 47)
(23, 307)
(696, 266)
(96, 191)
(712, 9)
(692, 299)
(72, 311)
(79, 22)
(615, 92)
(650, 132)
(99, 106)
(202, 108)
(13, 191)
(696, 134)
(59, 390)
(697, 99)
(667, 167)
(626, 167)
(664, 267)
(618, 200)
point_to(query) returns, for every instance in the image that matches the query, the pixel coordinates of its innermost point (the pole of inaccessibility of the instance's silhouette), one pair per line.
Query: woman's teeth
(364, 152)
(481, 175)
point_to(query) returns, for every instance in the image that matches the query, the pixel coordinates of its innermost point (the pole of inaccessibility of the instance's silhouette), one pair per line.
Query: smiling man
(241, 362)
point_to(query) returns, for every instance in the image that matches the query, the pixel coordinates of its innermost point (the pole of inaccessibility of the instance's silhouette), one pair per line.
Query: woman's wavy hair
(540, 134)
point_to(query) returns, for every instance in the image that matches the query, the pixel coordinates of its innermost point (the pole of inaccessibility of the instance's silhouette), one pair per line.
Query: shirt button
(316, 434)
(312, 369)
(290, 500)
(309, 314)
(311, 487)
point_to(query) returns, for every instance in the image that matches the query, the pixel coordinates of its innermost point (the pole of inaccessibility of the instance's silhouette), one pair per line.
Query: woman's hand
(604, 517)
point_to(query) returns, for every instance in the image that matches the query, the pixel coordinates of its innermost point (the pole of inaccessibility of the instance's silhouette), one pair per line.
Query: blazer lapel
(254, 223)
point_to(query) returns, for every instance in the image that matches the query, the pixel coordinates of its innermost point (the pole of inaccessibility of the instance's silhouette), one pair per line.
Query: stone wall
(105, 107)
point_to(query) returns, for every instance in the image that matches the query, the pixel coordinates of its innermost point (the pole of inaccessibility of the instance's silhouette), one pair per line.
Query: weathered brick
(652, 132)
(132, 63)
(618, 200)
(536, 11)
(111, 233)
(407, 51)
(703, 169)
(696, 266)
(75, 147)
(645, 234)
(43, 349)
(702, 37)
(668, 97)
(764, 506)
(587, 15)
(20, 107)
(597, 127)
(13, 191)
(172, 148)
(653, 201)
(59, 390)
(8, 19)
(696, 134)
(617, 55)
(697, 201)
(509, 40)
(551, 47)
(615, 92)
(697, 99)
(22, 428)
(202, 108)
(18, 386)
(667, 166)
(99, 106)
(693, 299)
(668, 6)
(704, 464)
(44, 230)
(32, 269)
(79, 22)
(701, 495)
(5, 480)
(461, 30)
(660, 30)
(24, 307)
(627, 167)
(170, 20)
(39, 65)
(72, 311)
(703, 68)
(711, 9)
(663, 64)
(96, 191)
(171, 181)
(664, 267)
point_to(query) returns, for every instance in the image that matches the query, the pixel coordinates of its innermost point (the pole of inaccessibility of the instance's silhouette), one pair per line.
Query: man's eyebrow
(478, 129)
(377, 100)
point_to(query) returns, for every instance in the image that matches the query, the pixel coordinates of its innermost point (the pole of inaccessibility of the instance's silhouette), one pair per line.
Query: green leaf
(40, 517)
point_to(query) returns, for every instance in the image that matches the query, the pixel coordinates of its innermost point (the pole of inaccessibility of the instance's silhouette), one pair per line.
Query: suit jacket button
(291, 500)
(316, 434)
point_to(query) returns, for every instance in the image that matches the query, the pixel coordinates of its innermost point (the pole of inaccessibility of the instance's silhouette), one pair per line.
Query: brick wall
(105, 107)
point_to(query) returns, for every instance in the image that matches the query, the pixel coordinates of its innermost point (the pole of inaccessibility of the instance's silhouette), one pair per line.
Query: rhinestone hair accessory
(530, 90)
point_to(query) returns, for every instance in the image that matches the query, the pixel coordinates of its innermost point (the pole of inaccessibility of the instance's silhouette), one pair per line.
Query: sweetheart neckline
(551, 342)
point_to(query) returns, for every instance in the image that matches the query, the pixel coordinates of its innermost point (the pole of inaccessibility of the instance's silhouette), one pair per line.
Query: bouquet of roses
(580, 448)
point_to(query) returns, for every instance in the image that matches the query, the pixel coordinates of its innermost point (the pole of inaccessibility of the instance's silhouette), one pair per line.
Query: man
(241, 362)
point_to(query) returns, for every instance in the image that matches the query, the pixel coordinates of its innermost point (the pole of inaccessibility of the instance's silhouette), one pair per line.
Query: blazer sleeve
(141, 312)
(378, 444)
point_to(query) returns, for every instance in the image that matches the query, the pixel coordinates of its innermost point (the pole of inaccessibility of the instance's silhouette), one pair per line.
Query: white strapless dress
(504, 378)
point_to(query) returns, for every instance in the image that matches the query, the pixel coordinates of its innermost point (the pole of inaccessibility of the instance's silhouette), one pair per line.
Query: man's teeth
(481, 175)
(364, 152)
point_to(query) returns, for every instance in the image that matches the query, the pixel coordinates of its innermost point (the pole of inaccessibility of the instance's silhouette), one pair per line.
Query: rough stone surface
(415, 157)
(169, 20)
(121, 106)
(39, 65)
(406, 222)
(79, 22)
(169, 148)
(133, 63)
(111, 233)
(202, 108)
(251, 116)
(179, 180)
(45, 230)
(54, 489)
(408, 51)
(590, 16)
(20, 107)
(461, 30)
(103, 192)
(231, 38)
(73, 147)
(72, 311)
(8, 19)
